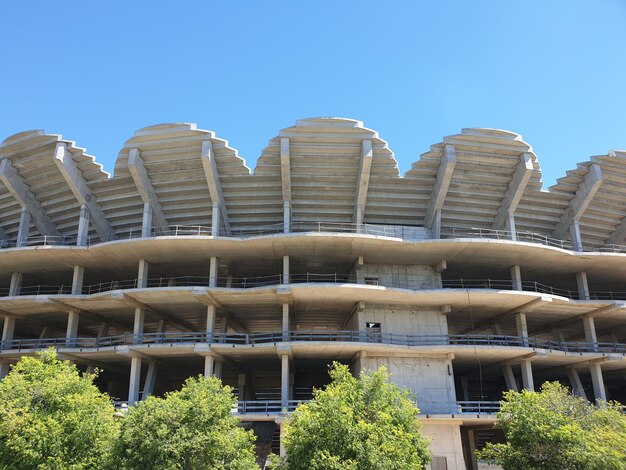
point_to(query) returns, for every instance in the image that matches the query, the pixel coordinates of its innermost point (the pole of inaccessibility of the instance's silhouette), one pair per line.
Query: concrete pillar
(142, 274)
(213, 268)
(82, 236)
(16, 284)
(522, 327)
(598, 381)
(285, 269)
(509, 378)
(4, 369)
(146, 224)
(8, 329)
(286, 326)
(148, 387)
(286, 216)
(583, 286)
(577, 242)
(471, 440)
(209, 363)
(210, 322)
(436, 228)
(527, 375)
(516, 277)
(103, 329)
(219, 366)
(135, 379)
(77, 280)
(282, 451)
(465, 387)
(71, 332)
(498, 329)
(140, 316)
(590, 331)
(510, 226)
(284, 381)
(241, 384)
(215, 219)
(577, 386)
(24, 228)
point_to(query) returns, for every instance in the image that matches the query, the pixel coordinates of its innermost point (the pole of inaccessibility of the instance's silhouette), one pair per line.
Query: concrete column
(284, 381)
(16, 284)
(8, 329)
(219, 365)
(140, 316)
(241, 384)
(590, 331)
(509, 378)
(72, 327)
(215, 219)
(522, 327)
(471, 440)
(135, 379)
(465, 387)
(24, 228)
(209, 363)
(148, 387)
(498, 329)
(583, 286)
(210, 322)
(577, 243)
(103, 329)
(77, 280)
(285, 269)
(82, 236)
(577, 386)
(213, 268)
(598, 381)
(510, 226)
(142, 274)
(286, 216)
(436, 228)
(146, 224)
(282, 451)
(4, 369)
(527, 375)
(286, 326)
(516, 277)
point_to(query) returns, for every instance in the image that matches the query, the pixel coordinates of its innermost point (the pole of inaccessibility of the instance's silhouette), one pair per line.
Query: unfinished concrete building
(464, 277)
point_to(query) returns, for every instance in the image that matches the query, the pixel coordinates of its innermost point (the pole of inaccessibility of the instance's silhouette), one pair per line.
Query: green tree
(52, 417)
(553, 429)
(193, 428)
(356, 424)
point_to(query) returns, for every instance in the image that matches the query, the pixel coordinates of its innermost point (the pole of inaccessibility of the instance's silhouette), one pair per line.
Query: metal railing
(404, 232)
(411, 283)
(350, 336)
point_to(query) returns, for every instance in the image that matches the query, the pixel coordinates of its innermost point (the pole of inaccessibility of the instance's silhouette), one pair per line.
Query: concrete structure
(464, 277)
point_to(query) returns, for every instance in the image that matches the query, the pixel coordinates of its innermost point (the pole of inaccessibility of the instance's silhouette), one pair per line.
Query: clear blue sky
(95, 71)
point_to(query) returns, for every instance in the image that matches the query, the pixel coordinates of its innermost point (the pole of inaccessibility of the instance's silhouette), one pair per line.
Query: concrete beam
(595, 313)
(578, 204)
(362, 181)
(207, 157)
(181, 325)
(24, 196)
(442, 183)
(525, 308)
(77, 183)
(144, 187)
(514, 192)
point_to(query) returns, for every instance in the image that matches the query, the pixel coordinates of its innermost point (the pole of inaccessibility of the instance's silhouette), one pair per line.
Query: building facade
(463, 277)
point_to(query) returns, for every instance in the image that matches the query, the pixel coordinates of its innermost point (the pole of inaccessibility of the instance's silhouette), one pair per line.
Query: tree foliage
(553, 429)
(355, 424)
(52, 417)
(193, 428)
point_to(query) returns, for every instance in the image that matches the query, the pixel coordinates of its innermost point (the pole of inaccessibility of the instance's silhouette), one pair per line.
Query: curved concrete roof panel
(327, 169)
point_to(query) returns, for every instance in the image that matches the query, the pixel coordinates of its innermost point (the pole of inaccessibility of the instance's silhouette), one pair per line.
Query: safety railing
(410, 282)
(491, 234)
(349, 336)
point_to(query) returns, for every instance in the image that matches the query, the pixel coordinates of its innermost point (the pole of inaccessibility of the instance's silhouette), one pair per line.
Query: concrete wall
(445, 441)
(404, 276)
(430, 378)
(402, 320)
